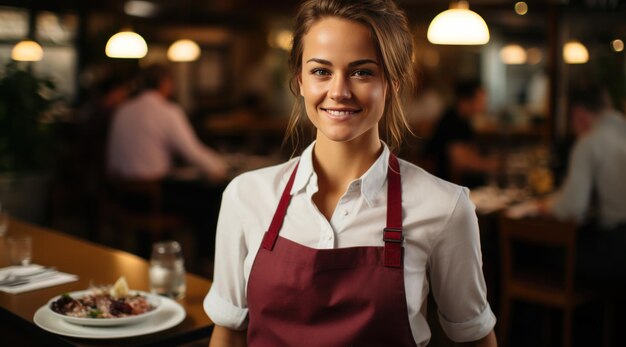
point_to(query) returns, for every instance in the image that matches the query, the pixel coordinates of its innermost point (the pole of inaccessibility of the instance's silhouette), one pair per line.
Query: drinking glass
(167, 270)
(20, 250)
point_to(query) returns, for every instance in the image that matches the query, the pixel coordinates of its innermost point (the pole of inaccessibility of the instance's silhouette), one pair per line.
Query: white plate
(153, 300)
(169, 315)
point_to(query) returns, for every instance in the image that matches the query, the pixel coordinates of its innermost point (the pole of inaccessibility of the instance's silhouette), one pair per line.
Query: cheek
(312, 91)
(375, 97)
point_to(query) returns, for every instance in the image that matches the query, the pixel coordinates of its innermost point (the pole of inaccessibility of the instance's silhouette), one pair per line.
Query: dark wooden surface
(93, 264)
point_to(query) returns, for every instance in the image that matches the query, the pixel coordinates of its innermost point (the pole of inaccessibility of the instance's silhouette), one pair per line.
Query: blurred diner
(593, 191)
(148, 133)
(453, 145)
(148, 130)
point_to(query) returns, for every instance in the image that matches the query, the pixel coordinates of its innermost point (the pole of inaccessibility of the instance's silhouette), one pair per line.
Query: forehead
(338, 38)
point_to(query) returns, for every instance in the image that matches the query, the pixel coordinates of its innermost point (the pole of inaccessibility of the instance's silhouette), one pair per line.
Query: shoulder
(258, 185)
(417, 183)
(435, 209)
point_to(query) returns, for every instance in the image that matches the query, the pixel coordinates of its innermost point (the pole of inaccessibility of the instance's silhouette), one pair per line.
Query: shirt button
(345, 212)
(329, 237)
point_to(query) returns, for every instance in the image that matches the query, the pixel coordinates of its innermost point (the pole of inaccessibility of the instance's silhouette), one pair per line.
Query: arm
(224, 337)
(464, 157)
(572, 199)
(184, 141)
(226, 304)
(487, 341)
(456, 278)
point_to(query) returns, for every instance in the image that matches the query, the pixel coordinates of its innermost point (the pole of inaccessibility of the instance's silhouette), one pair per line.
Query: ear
(396, 85)
(299, 77)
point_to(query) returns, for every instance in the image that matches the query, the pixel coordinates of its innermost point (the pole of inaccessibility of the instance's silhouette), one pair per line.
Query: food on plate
(120, 288)
(103, 302)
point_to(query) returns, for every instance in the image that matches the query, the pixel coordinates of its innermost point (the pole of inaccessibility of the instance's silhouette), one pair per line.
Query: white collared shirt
(146, 132)
(598, 161)
(439, 225)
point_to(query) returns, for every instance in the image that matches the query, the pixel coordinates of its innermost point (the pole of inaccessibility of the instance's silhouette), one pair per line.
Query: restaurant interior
(229, 66)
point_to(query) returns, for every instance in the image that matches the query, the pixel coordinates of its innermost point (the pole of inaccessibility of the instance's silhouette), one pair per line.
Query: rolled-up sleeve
(456, 276)
(226, 303)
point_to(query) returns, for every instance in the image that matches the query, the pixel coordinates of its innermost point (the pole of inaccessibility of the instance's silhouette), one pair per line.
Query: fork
(21, 281)
(10, 278)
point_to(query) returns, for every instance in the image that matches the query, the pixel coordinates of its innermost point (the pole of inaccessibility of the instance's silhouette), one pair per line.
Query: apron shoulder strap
(269, 239)
(392, 234)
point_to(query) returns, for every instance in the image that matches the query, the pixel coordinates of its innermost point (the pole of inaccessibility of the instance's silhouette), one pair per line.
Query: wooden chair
(536, 285)
(136, 206)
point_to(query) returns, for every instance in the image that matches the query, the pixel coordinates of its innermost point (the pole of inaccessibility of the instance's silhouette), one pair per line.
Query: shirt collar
(371, 181)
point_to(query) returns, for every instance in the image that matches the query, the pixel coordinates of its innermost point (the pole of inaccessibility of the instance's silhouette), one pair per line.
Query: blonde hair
(393, 42)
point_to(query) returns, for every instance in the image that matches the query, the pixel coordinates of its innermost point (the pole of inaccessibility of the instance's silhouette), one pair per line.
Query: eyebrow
(351, 64)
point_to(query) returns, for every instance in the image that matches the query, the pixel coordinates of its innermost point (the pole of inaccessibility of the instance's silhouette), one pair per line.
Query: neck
(339, 163)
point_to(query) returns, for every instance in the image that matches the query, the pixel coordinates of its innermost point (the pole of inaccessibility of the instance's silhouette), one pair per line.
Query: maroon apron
(301, 296)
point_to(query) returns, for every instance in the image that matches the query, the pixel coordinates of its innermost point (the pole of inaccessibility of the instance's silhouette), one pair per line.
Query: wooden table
(96, 264)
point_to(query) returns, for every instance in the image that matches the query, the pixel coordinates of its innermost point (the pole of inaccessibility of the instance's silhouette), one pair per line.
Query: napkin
(51, 279)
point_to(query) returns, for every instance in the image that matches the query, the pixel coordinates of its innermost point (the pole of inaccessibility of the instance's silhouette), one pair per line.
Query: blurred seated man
(452, 146)
(148, 130)
(147, 133)
(595, 181)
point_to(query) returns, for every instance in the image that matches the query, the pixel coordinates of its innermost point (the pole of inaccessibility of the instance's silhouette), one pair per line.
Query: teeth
(340, 113)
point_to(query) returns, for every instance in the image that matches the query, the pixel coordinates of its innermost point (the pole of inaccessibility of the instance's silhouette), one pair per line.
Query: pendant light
(183, 50)
(513, 54)
(458, 26)
(126, 44)
(27, 50)
(575, 52)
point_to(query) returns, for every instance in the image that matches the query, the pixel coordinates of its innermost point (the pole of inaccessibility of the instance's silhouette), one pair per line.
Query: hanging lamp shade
(27, 50)
(513, 54)
(183, 50)
(126, 44)
(458, 26)
(575, 52)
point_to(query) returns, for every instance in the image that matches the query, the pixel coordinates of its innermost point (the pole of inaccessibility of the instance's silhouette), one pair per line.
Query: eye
(320, 72)
(363, 73)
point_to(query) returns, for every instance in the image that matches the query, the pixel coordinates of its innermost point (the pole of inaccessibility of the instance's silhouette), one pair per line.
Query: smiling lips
(341, 114)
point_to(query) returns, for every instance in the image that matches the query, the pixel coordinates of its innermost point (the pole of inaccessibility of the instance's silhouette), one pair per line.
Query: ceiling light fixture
(617, 45)
(521, 8)
(126, 44)
(513, 54)
(575, 52)
(534, 55)
(458, 26)
(27, 50)
(183, 50)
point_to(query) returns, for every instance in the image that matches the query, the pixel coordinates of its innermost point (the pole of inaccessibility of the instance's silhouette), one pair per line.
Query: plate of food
(105, 306)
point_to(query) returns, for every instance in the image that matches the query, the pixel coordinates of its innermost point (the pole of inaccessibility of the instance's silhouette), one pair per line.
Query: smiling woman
(357, 235)
(341, 81)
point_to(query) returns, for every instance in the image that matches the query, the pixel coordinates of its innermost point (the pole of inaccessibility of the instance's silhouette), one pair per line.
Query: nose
(339, 88)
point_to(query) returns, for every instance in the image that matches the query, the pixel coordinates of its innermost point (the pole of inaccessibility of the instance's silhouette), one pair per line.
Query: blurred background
(231, 80)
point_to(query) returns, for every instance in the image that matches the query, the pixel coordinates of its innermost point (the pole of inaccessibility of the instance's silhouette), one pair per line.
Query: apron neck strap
(392, 234)
(270, 237)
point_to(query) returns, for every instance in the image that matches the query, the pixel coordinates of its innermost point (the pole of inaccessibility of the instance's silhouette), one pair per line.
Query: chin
(339, 136)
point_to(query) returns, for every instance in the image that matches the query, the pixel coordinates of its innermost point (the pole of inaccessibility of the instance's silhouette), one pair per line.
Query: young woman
(339, 246)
